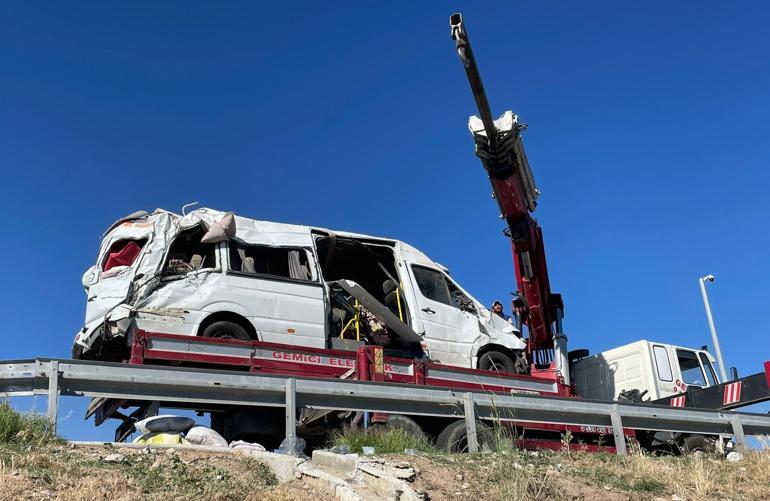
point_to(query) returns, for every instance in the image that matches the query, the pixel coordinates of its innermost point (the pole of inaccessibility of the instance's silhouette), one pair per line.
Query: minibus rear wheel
(224, 329)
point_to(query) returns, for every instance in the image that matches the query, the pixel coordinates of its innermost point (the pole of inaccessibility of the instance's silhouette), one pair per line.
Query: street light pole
(706, 304)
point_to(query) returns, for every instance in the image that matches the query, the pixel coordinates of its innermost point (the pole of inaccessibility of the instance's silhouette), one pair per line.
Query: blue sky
(647, 136)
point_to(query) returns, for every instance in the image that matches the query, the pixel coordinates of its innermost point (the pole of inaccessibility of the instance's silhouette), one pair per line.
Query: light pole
(702, 281)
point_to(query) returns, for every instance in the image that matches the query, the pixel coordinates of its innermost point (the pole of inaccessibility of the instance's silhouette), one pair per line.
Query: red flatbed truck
(499, 146)
(368, 363)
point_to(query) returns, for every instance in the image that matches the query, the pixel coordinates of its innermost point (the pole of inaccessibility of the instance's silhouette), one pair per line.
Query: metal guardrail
(201, 387)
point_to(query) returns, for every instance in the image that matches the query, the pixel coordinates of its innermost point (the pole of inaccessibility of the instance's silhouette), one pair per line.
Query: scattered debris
(113, 458)
(247, 446)
(164, 424)
(341, 449)
(161, 439)
(201, 435)
(292, 446)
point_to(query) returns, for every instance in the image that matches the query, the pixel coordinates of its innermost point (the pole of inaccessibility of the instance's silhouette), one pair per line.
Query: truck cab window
(432, 285)
(187, 253)
(710, 375)
(690, 367)
(662, 363)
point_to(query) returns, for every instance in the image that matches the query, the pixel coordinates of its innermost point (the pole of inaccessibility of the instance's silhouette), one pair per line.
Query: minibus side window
(281, 262)
(432, 285)
(187, 253)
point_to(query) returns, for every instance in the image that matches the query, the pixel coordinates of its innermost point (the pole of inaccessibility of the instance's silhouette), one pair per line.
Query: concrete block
(339, 462)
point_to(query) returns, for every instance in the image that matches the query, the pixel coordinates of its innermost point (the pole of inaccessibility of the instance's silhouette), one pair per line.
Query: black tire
(225, 329)
(454, 438)
(405, 423)
(698, 444)
(496, 361)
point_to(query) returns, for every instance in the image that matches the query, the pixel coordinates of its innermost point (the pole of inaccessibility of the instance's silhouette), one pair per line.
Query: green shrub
(384, 441)
(23, 429)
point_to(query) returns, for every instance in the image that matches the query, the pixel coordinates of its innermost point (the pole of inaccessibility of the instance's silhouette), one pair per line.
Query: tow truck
(498, 144)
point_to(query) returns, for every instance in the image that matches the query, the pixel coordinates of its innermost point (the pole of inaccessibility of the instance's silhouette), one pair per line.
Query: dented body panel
(163, 286)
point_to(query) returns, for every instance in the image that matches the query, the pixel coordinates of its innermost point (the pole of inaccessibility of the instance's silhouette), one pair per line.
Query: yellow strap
(398, 302)
(358, 328)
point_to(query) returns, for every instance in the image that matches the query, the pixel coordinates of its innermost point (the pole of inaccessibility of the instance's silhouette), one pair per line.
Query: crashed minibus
(216, 274)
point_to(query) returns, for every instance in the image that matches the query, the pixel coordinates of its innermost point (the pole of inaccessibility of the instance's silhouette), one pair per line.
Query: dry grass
(520, 475)
(35, 463)
(691, 477)
(57, 473)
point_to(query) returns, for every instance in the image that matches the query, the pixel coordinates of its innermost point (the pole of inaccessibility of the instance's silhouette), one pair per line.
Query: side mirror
(89, 277)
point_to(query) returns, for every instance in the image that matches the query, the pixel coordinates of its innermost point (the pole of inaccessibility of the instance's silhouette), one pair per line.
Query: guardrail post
(291, 408)
(740, 437)
(617, 430)
(470, 423)
(53, 393)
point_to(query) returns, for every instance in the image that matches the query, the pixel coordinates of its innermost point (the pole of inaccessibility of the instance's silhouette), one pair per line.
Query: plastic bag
(247, 446)
(292, 446)
(200, 435)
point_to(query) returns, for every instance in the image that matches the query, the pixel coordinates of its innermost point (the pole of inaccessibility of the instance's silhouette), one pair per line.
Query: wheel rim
(493, 363)
(224, 334)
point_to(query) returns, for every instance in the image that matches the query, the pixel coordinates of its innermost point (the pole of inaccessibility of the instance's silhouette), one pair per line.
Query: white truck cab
(216, 274)
(658, 368)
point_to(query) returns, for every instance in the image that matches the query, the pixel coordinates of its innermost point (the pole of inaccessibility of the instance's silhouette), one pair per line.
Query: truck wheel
(454, 438)
(262, 425)
(698, 443)
(225, 330)
(407, 424)
(496, 361)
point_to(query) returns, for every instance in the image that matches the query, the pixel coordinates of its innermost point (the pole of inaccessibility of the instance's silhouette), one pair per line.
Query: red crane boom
(499, 146)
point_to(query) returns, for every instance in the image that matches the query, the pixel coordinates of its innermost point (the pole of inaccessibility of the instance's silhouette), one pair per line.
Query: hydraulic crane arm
(499, 146)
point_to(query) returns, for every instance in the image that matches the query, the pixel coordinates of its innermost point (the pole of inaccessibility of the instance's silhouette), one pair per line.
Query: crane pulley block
(505, 156)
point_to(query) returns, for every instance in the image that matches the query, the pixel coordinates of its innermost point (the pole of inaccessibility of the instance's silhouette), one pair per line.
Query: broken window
(122, 253)
(459, 298)
(438, 287)
(282, 262)
(370, 265)
(187, 253)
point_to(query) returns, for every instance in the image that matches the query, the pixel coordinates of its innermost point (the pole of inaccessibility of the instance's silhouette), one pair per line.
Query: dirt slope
(62, 472)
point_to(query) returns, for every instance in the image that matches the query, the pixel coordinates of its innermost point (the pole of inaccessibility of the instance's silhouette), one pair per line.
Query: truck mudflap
(725, 396)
